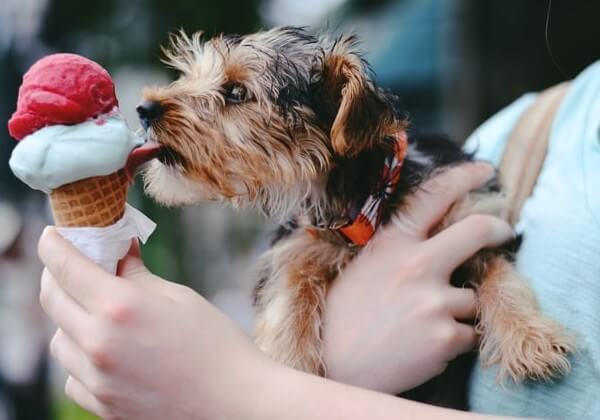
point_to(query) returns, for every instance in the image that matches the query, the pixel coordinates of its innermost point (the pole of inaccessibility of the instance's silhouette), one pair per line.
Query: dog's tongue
(141, 155)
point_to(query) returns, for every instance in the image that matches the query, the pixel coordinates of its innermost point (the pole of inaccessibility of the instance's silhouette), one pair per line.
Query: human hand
(138, 347)
(392, 320)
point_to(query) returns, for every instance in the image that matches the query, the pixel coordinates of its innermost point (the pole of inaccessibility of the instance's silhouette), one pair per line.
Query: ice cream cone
(92, 202)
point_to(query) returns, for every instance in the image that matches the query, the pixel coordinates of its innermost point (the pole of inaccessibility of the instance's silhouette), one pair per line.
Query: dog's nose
(149, 111)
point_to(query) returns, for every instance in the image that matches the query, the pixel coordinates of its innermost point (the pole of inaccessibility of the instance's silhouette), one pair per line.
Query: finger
(460, 241)
(134, 249)
(465, 339)
(461, 303)
(62, 309)
(80, 395)
(132, 265)
(70, 356)
(78, 276)
(431, 201)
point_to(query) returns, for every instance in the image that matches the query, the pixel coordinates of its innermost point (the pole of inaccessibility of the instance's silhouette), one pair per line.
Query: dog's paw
(535, 349)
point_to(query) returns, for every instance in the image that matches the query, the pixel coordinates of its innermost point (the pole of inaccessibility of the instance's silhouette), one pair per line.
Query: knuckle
(482, 226)
(436, 303)
(453, 182)
(102, 391)
(442, 178)
(120, 311)
(447, 335)
(99, 351)
(457, 179)
(414, 267)
(104, 411)
(474, 174)
(105, 396)
(101, 358)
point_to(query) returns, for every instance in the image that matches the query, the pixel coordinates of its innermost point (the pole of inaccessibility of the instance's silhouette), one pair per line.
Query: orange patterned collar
(365, 218)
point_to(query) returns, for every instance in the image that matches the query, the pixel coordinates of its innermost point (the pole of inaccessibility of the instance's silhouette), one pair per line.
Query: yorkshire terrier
(294, 125)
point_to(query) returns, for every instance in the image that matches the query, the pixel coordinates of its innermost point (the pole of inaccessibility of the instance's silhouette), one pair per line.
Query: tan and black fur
(294, 125)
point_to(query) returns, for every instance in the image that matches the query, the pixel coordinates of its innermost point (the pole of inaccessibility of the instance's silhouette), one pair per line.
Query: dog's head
(260, 119)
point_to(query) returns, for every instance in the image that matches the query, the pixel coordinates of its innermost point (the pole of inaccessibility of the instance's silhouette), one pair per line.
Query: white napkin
(107, 245)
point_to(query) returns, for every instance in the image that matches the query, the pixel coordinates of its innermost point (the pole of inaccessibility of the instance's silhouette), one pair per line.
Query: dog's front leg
(290, 299)
(515, 334)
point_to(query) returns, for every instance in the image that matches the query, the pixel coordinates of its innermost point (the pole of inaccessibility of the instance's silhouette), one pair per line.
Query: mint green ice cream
(60, 154)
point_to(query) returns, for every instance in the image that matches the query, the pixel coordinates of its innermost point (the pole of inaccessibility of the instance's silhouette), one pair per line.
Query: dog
(294, 125)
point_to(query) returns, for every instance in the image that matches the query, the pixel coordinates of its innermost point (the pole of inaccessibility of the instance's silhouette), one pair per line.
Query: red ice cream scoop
(61, 89)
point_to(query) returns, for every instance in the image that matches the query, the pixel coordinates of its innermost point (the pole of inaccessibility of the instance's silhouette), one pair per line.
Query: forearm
(295, 395)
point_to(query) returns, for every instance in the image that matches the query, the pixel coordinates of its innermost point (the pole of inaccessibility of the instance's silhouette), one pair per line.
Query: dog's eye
(235, 93)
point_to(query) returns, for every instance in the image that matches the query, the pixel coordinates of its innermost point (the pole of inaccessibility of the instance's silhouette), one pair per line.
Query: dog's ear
(360, 113)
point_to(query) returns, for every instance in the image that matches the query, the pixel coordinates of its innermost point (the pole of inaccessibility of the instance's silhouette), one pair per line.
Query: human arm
(136, 346)
(298, 396)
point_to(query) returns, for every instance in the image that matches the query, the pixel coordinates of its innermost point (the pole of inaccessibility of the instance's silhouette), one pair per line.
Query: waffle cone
(92, 202)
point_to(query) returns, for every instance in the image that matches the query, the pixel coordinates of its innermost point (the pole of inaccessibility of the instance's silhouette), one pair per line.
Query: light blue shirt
(560, 253)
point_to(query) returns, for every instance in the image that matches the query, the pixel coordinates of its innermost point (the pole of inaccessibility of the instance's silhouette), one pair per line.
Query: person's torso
(560, 255)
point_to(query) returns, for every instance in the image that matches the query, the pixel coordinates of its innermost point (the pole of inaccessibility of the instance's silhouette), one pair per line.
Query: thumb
(131, 264)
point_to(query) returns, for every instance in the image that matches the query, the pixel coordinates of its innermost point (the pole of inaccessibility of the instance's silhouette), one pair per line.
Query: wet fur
(309, 139)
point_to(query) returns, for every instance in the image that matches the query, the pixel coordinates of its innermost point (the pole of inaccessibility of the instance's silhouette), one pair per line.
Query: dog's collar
(365, 217)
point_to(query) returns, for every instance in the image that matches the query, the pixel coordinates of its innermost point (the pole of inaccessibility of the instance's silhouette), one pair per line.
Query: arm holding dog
(112, 328)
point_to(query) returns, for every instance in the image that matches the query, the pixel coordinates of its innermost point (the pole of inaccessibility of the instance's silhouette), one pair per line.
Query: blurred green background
(453, 63)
